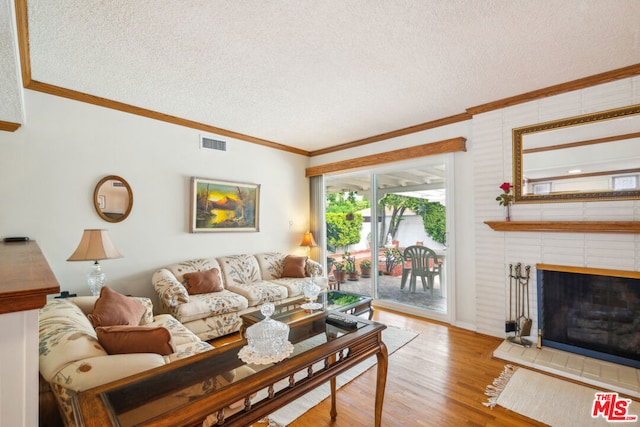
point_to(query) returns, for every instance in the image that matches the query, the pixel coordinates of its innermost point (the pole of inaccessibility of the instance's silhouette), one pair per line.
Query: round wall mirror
(113, 198)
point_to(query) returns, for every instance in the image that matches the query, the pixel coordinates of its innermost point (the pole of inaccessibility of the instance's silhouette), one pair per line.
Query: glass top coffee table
(207, 386)
(348, 302)
(293, 313)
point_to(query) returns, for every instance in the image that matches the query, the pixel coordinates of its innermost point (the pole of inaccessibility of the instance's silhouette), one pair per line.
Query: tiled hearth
(598, 373)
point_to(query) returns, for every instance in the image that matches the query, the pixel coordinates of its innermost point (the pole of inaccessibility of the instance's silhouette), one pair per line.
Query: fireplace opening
(591, 314)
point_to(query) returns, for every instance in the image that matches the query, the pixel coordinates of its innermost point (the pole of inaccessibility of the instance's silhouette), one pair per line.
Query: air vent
(213, 144)
(118, 184)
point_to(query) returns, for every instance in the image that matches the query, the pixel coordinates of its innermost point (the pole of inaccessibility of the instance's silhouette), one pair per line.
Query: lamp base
(96, 279)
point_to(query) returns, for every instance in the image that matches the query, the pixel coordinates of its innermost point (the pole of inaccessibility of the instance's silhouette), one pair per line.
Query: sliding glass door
(373, 216)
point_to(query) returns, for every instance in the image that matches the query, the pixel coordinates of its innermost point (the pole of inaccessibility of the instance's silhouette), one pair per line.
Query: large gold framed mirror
(113, 198)
(592, 157)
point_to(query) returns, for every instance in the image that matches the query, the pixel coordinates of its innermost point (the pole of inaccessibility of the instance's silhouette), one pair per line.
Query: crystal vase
(507, 213)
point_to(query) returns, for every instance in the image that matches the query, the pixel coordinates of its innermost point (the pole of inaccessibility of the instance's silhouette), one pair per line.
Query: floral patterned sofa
(246, 281)
(72, 359)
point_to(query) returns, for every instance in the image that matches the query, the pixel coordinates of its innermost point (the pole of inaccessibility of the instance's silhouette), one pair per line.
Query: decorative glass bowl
(267, 340)
(311, 291)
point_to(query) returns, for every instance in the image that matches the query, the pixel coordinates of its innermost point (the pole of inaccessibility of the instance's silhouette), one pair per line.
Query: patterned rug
(393, 337)
(557, 402)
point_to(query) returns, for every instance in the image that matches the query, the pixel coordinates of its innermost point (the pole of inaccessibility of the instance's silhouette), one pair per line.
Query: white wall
(494, 251)
(48, 171)
(50, 167)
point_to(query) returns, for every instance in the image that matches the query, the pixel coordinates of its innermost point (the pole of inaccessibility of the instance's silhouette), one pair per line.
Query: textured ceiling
(315, 74)
(10, 98)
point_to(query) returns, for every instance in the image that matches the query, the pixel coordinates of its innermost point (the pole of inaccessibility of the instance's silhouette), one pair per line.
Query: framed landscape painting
(223, 206)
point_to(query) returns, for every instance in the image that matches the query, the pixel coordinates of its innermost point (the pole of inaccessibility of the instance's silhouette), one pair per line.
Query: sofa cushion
(179, 332)
(239, 270)
(187, 350)
(203, 282)
(135, 339)
(88, 373)
(207, 305)
(199, 264)
(216, 326)
(259, 292)
(294, 285)
(271, 264)
(86, 304)
(171, 292)
(65, 335)
(294, 266)
(113, 308)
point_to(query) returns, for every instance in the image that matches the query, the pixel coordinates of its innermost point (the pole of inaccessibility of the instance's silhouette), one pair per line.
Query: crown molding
(440, 147)
(9, 126)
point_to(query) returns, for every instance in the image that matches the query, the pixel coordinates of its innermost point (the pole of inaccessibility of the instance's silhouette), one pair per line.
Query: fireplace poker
(519, 327)
(510, 325)
(526, 323)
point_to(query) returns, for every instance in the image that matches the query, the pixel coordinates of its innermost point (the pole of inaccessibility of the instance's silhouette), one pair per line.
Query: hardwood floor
(438, 379)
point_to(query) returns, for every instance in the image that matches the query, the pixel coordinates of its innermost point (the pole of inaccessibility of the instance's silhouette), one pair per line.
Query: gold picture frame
(223, 206)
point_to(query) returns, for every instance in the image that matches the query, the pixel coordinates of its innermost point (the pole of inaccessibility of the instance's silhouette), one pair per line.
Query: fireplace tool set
(518, 294)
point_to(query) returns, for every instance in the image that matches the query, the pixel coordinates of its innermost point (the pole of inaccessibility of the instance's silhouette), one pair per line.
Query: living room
(51, 164)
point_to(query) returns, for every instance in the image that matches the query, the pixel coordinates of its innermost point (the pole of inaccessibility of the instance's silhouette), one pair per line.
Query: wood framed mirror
(113, 198)
(593, 157)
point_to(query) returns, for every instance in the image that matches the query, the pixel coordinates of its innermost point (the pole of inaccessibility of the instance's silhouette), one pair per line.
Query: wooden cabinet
(25, 282)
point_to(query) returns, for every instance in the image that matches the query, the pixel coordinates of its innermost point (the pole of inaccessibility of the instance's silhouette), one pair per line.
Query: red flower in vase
(506, 198)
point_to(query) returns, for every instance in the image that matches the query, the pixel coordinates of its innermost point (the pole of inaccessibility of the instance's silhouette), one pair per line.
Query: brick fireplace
(600, 339)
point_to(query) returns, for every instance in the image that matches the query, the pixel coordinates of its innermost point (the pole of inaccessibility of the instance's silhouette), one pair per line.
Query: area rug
(547, 399)
(393, 337)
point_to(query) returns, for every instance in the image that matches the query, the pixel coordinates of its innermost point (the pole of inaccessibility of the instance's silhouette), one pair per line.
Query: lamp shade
(95, 245)
(308, 240)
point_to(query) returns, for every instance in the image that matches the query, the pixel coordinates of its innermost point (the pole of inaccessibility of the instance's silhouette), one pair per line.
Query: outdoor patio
(389, 289)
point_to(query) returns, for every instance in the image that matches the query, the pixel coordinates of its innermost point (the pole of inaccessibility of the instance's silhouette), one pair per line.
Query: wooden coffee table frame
(338, 354)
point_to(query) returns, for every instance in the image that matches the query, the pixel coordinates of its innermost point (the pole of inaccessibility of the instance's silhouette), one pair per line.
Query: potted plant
(392, 258)
(365, 268)
(350, 265)
(339, 272)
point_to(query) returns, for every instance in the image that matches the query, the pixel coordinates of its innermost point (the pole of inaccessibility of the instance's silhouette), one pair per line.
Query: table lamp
(94, 246)
(308, 241)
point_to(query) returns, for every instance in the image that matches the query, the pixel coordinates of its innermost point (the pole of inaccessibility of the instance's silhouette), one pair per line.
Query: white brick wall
(494, 251)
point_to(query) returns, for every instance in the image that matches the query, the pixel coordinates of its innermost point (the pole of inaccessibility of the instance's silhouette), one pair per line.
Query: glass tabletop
(170, 389)
(343, 300)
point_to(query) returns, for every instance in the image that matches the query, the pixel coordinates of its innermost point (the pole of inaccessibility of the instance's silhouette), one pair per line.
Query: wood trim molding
(587, 270)
(22, 27)
(25, 277)
(582, 143)
(617, 227)
(9, 126)
(440, 147)
(620, 73)
(396, 133)
(120, 106)
(583, 175)
(27, 81)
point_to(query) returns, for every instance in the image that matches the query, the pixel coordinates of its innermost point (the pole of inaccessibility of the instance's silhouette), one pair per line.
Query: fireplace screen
(597, 316)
